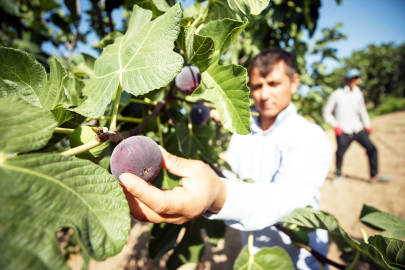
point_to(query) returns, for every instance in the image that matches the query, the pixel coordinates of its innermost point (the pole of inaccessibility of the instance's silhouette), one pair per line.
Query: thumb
(176, 165)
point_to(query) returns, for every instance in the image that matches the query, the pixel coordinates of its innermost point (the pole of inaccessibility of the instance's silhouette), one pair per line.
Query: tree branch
(145, 121)
(315, 253)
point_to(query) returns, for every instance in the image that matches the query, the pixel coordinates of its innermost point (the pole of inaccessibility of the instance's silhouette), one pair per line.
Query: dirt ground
(344, 201)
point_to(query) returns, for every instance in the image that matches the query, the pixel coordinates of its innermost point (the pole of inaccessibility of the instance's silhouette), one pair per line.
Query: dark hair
(266, 60)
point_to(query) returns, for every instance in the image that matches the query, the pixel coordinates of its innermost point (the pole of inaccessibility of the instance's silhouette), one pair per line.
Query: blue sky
(364, 22)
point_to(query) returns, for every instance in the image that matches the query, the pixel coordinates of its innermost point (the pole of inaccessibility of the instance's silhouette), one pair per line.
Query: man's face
(272, 93)
(356, 81)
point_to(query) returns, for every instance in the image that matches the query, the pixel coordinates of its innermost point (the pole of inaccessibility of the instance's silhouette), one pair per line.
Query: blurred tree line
(28, 24)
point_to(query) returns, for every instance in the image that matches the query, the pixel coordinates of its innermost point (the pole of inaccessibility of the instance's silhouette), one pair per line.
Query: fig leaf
(142, 60)
(41, 193)
(24, 127)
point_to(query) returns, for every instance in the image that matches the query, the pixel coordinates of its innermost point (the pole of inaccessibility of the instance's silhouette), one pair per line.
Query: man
(287, 156)
(350, 122)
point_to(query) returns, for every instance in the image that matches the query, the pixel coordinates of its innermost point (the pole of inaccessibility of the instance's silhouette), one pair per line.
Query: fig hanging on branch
(83, 135)
(199, 114)
(188, 79)
(138, 155)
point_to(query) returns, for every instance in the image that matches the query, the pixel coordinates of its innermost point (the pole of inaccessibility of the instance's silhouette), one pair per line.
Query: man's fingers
(141, 212)
(157, 200)
(177, 165)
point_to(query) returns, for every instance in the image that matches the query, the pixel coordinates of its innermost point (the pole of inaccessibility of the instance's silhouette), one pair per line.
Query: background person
(345, 110)
(286, 155)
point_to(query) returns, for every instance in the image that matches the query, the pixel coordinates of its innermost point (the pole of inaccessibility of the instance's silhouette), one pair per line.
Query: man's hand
(338, 131)
(368, 130)
(202, 191)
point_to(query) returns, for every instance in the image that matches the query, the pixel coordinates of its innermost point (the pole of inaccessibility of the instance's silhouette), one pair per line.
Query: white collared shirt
(289, 163)
(350, 113)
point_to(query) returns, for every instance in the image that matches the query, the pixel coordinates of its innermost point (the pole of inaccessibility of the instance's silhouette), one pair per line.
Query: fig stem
(146, 101)
(115, 107)
(356, 259)
(123, 119)
(159, 130)
(63, 130)
(82, 148)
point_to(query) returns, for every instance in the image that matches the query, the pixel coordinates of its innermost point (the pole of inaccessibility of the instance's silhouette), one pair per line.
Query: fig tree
(199, 114)
(85, 134)
(138, 155)
(188, 79)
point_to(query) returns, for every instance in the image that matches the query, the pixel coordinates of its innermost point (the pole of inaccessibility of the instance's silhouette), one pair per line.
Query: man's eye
(273, 84)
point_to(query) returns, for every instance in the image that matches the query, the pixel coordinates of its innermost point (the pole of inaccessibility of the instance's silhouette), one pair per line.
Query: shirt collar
(347, 89)
(284, 114)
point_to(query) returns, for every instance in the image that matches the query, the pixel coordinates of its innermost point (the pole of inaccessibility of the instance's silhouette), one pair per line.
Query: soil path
(344, 201)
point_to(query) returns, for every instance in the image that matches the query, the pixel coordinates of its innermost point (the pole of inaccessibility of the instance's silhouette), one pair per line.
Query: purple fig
(138, 155)
(188, 79)
(199, 114)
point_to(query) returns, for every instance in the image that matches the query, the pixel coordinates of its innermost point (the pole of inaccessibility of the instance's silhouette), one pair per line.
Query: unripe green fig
(85, 134)
(302, 235)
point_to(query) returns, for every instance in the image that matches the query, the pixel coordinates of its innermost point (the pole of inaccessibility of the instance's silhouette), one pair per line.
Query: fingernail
(125, 180)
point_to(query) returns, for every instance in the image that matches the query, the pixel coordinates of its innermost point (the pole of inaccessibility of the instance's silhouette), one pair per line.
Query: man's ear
(295, 83)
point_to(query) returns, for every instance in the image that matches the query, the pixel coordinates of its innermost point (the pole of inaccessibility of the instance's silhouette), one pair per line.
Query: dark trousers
(344, 141)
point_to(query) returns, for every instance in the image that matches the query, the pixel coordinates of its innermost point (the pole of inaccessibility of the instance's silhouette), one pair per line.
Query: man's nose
(265, 93)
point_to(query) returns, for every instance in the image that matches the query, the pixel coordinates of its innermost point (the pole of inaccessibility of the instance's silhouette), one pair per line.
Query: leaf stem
(194, 24)
(146, 101)
(198, 19)
(364, 234)
(63, 130)
(199, 28)
(250, 246)
(159, 130)
(356, 259)
(123, 119)
(250, 242)
(116, 105)
(82, 148)
(321, 265)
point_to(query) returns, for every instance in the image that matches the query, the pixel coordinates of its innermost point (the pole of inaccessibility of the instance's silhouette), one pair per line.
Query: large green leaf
(163, 238)
(21, 75)
(142, 60)
(375, 252)
(71, 123)
(41, 193)
(191, 247)
(220, 9)
(158, 7)
(245, 8)
(226, 87)
(383, 221)
(23, 127)
(224, 33)
(391, 250)
(266, 258)
(62, 115)
(195, 140)
(198, 49)
(74, 88)
(313, 219)
(85, 64)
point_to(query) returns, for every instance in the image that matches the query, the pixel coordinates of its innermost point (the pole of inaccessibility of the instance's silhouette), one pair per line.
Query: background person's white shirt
(350, 113)
(289, 163)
